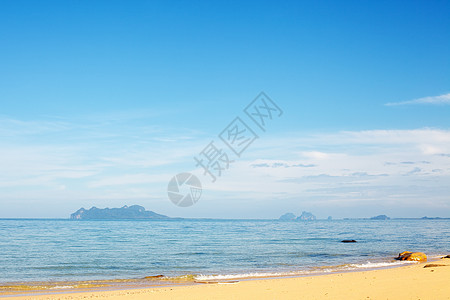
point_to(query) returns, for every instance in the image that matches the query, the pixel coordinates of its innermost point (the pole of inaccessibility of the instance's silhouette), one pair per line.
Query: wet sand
(415, 281)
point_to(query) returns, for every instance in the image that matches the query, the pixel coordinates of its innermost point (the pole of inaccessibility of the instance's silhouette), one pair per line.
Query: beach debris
(447, 256)
(412, 256)
(348, 241)
(433, 265)
(153, 276)
(228, 282)
(216, 282)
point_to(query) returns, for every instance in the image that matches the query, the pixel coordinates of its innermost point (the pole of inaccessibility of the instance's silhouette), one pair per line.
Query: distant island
(125, 212)
(380, 217)
(139, 212)
(287, 217)
(305, 216)
(433, 218)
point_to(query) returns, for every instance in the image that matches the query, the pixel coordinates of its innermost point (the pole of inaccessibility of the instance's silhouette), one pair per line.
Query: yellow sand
(409, 282)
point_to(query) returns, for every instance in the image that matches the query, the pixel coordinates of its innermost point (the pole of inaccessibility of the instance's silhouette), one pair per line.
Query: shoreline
(137, 288)
(26, 288)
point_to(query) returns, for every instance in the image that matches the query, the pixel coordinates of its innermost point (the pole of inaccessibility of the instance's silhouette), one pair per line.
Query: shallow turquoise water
(36, 250)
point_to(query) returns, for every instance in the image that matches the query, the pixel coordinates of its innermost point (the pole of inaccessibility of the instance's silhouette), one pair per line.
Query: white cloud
(12, 127)
(131, 179)
(107, 164)
(316, 155)
(383, 167)
(441, 99)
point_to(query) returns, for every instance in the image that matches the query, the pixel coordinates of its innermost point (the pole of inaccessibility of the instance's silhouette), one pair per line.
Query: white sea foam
(374, 265)
(368, 265)
(245, 275)
(437, 256)
(61, 287)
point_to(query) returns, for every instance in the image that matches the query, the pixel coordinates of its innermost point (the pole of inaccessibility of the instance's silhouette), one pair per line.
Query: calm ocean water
(58, 250)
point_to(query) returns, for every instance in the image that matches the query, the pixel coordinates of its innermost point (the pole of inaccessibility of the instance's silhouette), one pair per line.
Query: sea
(206, 249)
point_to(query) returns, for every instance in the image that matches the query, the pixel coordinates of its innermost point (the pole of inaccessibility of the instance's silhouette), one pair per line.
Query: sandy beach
(416, 281)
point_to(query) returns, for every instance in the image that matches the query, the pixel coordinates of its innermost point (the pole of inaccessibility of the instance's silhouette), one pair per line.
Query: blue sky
(103, 102)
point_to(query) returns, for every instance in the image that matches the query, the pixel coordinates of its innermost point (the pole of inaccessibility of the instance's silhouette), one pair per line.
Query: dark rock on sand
(412, 256)
(433, 265)
(448, 256)
(215, 282)
(154, 276)
(348, 241)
